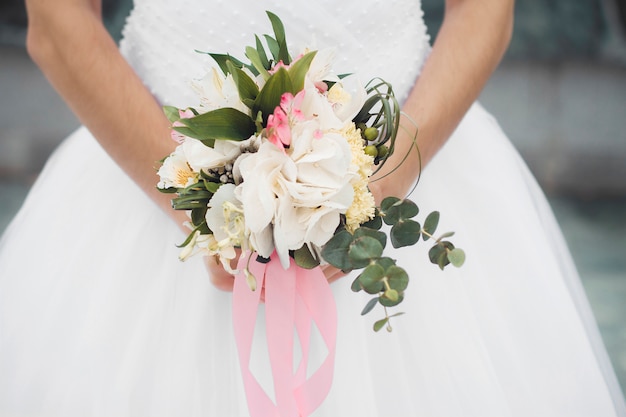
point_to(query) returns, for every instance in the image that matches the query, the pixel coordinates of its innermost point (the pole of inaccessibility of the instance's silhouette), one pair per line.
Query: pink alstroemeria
(285, 115)
(177, 136)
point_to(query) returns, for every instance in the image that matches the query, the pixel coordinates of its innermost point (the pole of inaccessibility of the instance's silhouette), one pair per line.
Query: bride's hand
(223, 280)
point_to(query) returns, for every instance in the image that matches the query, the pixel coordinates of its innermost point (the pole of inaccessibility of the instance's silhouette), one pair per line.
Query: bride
(99, 318)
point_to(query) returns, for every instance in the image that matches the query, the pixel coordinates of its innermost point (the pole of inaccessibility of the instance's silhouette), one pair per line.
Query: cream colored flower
(176, 171)
(363, 204)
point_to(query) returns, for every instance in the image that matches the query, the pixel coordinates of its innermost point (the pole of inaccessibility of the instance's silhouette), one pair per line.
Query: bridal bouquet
(276, 161)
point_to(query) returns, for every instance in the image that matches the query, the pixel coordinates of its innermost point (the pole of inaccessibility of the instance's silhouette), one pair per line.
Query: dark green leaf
(371, 279)
(273, 47)
(335, 251)
(376, 223)
(397, 278)
(391, 303)
(356, 285)
(279, 32)
(222, 59)
(247, 88)
(363, 249)
(401, 210)
(304, 258)
(261, 52)
(369, 306)
(385, 262)
(366, 231)
(224, 123)
(430, 224)
(405, 233)
(269, 97)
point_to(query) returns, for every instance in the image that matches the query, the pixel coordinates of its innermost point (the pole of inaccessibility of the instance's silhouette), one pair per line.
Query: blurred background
(560, 94)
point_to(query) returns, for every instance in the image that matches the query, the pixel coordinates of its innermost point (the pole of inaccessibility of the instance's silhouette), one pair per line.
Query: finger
(219, 277)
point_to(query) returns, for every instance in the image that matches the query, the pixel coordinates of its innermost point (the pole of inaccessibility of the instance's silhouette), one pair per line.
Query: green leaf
(388, 202)
(385, 262)
(369, 306)
(269, 97)
(363, 249)
(376, 223)
(430, 225)
(298, 71)
(392, 295)
(335, 251)
(212, 186)
(304, 258)
(356, 285)
(248, 90)
(456, 257)
(273, 47)
(198, 215)
(401, 210)
(390, 303)
(371, 279)
(224, 123)
(222, 59)
(261, 53)
(366, 231)
(405, 233)
(380, 324)
(438, 254)
(279, 32)
(397, 278)
(257, 62)
(172, 113)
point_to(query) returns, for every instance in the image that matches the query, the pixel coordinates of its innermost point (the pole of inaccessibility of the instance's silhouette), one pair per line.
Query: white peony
(298, 195)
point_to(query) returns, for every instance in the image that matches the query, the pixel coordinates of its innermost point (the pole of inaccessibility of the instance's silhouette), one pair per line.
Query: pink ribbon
(294, 299)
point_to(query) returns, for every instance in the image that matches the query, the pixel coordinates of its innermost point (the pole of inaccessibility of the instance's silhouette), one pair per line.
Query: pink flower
(177, 136)
(284, 117)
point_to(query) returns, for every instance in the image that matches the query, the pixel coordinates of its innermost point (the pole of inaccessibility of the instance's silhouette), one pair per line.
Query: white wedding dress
(99, 318)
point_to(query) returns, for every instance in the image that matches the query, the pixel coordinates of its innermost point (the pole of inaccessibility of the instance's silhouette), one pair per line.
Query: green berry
(371, 151)
(371, 133)
(382, 151)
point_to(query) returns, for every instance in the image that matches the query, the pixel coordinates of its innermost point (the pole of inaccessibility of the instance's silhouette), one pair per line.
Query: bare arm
(68, 41)
(473, 37)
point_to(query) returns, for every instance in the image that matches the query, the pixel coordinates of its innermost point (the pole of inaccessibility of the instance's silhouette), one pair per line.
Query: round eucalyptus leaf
(362, 250)
(392, 295)
(405, 233)
(376, 223)
(385, 262)
(371, 279)
(304, 258)
(456, 257)
(366, 231)
(387, 210)
(390, 303)
(397, 278)
(335, 251)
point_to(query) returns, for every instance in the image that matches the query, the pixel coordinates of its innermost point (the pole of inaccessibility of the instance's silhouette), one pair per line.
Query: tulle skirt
(98, 317)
